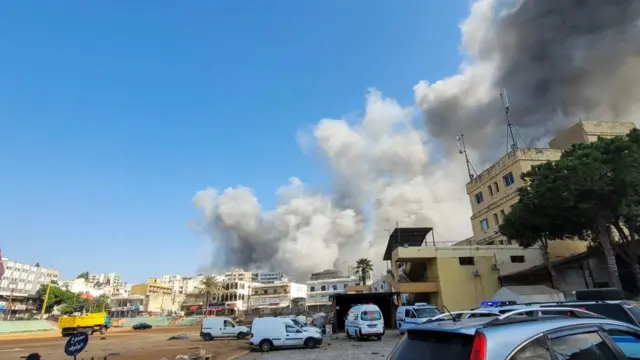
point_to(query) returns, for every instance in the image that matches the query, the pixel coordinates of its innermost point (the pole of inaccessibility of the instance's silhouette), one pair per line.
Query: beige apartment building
(159, 298)
(494, 191)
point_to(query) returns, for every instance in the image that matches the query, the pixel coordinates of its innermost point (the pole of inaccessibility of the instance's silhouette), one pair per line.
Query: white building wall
(25, 279)
(318, 291)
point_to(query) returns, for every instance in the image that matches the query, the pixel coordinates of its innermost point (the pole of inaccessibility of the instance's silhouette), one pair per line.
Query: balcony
(430, 285)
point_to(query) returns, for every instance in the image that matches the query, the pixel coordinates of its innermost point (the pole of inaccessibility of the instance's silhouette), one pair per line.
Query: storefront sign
(268, 301)
(318, 300)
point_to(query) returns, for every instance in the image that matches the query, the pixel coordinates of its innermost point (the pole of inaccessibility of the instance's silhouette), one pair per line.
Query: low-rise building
(272, 298)
(81, 286)
(159, 298)
(460, 277)
(127, 306)
(321, 286)
(111, 279)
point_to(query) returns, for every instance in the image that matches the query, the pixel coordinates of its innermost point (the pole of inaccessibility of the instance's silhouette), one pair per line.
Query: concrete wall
(460, 289)
(25, 326)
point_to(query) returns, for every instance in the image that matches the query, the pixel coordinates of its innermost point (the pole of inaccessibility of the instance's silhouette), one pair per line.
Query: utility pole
(44, 303)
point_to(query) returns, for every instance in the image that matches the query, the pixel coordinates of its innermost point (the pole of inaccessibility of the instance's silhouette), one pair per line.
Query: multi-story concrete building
(159, 298)
(589, 131)
(127, 306)
(272, 297)
(235, 294)
(268, 277)
(22, 279)
(191, 284)
(493, 192)
(237, 275)
(324, 284)
(112, 279)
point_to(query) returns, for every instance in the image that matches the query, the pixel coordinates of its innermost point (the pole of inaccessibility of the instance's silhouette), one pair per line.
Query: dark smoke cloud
(560, 60)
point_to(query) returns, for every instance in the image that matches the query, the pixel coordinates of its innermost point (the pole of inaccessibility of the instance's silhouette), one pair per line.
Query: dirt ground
(123, 345)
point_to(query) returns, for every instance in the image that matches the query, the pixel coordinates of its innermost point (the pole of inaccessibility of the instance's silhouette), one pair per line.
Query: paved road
(335, 348)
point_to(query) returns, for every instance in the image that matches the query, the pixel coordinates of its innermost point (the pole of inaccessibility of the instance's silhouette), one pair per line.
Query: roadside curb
(234, 357)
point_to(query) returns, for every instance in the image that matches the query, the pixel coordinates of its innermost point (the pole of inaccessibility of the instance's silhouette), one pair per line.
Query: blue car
(559, 333)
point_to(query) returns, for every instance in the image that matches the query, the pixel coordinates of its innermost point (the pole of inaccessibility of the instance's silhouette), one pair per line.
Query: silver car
(551, 334)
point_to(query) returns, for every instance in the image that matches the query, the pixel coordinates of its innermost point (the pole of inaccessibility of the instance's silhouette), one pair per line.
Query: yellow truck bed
(81, 321)
(87, 323)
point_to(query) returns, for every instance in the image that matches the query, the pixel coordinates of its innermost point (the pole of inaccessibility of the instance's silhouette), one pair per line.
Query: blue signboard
(76, 343)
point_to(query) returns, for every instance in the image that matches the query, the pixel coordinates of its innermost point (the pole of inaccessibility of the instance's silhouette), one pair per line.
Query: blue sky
(114, 113)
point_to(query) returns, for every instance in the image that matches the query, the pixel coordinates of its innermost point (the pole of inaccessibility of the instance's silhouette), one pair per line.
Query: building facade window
(312, 289)
(484, 223)
(490, 188)
(466, 261)
(508, 179)
(495, 185)
(502, 214)
(479, 198)
(517, 259)
(496, 220)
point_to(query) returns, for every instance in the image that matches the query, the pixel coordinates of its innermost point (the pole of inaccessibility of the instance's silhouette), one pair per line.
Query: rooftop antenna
(505, 103)
(462, 149)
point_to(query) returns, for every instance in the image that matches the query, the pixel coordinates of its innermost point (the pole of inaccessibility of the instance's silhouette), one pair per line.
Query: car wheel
(207, 337)
(103, 330)
(348, 334)
(358, 336)
(266, 345)
(242, 335)
(310, 343)
(379, 337)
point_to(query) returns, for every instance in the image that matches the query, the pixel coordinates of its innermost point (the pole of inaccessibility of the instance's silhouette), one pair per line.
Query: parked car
(621, 310)
(578, 334)
(142, 326)
(268, 333)
(222, 327)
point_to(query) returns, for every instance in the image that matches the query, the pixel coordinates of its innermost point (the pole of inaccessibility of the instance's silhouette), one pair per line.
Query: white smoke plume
(383, 169)
(559, 60)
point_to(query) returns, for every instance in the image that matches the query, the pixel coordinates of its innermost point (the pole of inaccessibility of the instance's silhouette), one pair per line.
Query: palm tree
(209, 286)
(364, 268)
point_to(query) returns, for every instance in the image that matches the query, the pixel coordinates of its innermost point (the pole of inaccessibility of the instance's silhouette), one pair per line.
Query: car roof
(525, 328)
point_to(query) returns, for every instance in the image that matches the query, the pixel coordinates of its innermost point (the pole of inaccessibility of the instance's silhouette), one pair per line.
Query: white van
(222, 327)
(415, 314)
(271, 332)
(295, 322)
(364, 321)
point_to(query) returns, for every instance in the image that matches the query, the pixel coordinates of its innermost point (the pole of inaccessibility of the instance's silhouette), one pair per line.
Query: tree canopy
(592, 189)
(83, 275)
(364, 268)
(70, 302)
(209, 286)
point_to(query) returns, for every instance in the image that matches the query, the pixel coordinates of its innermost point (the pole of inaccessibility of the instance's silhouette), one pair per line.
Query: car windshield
(433, 345)
(634, 308)
(371, 315)
(297, 323)
(426, 312)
